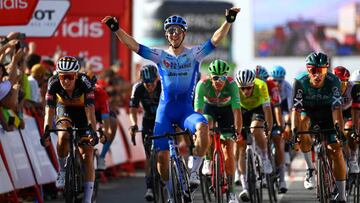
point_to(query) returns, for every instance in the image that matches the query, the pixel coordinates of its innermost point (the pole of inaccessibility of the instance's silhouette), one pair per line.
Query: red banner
(79, 36)
(16, 12)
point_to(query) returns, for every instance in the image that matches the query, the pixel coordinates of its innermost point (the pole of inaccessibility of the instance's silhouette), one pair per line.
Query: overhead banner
(16, 12)
(45, 19)
(5, 181)
(43, 168)
(17, 159)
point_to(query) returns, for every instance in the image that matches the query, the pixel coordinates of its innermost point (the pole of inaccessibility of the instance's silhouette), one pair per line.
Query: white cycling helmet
(355, 76)
(67, 64)
(245, 77)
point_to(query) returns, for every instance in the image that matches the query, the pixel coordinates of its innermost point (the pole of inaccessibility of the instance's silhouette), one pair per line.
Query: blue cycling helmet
(261, 72)
(278, 72)
(175, 20)
(148, 73)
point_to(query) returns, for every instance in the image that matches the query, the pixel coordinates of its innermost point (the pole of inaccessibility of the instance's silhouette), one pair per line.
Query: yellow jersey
(259, 96)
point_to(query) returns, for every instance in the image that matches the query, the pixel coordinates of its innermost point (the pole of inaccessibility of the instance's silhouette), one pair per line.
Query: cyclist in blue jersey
(178, 67)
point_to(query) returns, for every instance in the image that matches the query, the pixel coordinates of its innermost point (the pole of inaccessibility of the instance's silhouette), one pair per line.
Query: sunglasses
(221, 78)
(322, 70)
(173, 30)
(246, 88)
(67, 77)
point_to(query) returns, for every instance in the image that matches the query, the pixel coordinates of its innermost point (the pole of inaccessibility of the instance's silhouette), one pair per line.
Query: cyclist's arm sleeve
(355, 94)
(135, 96)
(201, 51)
(264, 93)
(235, 96)
(148, 53)
(298, 96)
(199, 96)
(336, 94)
(50, 96)
(105, 109)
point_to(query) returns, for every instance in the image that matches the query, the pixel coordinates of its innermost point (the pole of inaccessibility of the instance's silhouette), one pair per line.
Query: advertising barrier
(6, 185)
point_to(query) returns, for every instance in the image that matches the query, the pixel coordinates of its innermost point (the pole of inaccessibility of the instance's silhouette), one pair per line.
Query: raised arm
(124, 37)
(225, 27)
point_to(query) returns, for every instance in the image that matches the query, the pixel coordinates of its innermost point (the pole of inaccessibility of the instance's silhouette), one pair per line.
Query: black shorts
(224, 117)
(249, 115)
(75, 115)
(284, 107)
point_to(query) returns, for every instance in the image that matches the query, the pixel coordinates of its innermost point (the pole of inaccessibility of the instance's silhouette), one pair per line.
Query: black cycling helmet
(148, 73)
(317, 59)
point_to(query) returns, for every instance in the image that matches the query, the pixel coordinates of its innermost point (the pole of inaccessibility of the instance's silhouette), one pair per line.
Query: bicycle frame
(218, 149)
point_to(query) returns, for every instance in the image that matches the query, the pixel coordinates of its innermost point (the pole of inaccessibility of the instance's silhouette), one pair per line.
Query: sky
(269, 13)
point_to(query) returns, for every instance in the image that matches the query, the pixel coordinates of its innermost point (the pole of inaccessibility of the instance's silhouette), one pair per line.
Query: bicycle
(272, 178)
(219, 184)
(177, 169)
(253, 168)
(157, 186)
(326, 182)
(74, 179)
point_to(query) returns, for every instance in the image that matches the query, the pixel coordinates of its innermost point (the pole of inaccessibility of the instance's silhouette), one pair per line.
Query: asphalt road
(132, 189)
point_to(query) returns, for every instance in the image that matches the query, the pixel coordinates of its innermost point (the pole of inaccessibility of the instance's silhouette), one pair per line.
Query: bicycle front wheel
(251, 176)
(156, 183)
(218, 179)
(73, 185)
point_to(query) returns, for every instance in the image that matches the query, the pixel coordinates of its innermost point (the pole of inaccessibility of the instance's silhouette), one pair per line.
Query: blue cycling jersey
(178, 74)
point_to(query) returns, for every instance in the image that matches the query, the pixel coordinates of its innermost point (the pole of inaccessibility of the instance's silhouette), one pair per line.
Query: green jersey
(205, 93)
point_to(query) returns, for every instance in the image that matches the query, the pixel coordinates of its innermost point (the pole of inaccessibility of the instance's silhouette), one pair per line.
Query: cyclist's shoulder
(332, 78)
(302, 77)
(259, 83)
(138, 86)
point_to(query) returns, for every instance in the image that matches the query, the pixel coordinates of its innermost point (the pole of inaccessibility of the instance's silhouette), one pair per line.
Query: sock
(196, 164)
(243, 181)
(282, 172)
(88, 190)
(263, 153)
(287, 158)
(62, 162)
(105, 149)
(341, 187)
(308, 159)
(148, 181)
(230, 182)
(169, 188)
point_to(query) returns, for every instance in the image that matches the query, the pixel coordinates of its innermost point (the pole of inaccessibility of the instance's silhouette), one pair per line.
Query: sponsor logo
(13, 4)
(90, 95)
(80, 28)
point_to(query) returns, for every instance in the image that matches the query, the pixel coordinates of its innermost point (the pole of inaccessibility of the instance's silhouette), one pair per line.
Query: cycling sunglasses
(175, 30)
(246, 88)
(217, 77)
(322, 70)
(67, 77)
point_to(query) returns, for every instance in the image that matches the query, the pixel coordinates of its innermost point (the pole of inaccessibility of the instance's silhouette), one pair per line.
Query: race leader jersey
(259, 96)
(178, 74)
(149, 103)
(205, 93)
(82, 95)
(317, 102)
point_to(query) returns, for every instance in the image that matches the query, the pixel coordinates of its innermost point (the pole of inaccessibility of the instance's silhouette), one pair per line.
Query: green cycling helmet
(218, 67)
(317, 59)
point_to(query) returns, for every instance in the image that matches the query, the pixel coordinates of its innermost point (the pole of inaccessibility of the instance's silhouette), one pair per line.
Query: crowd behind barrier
(24, 164)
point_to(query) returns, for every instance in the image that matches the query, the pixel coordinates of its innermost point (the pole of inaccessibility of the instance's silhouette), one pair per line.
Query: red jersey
(101, 100)
(274, 93)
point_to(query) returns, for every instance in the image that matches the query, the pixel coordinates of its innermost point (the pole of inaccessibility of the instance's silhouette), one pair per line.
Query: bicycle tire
(357, 189)
(157, 187)
(69, 190)
(186, 184)
(204, 184)
(175, 181)
(321, 182)
(251, 177)
(218, 179)
(259, 186)
(271, 189)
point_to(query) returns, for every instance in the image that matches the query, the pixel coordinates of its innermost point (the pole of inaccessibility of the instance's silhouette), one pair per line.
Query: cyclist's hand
(111, 22)
(103, 137)
(132, 132)
(287, 134)
(94, 139)
(45, 139)
(231, 13)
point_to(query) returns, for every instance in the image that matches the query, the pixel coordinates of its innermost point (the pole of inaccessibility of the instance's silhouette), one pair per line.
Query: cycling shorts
(249, 115)
(75, 115)
(174, 112)
(147, 130)
(223, 116)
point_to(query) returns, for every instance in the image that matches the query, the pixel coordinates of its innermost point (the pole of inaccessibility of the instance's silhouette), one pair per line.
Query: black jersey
(150, 104)
(83, 94)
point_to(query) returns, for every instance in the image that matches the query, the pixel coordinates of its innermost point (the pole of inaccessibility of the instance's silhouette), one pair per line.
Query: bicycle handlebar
(170, 135)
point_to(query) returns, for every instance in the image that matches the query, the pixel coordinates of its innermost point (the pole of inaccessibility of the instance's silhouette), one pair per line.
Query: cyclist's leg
(113, 126)
(162, 126)
(63, 121)
(352, 149)
(196, 122)
(334, 151)
(206, 170)
(147, 128)
(280, 157)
